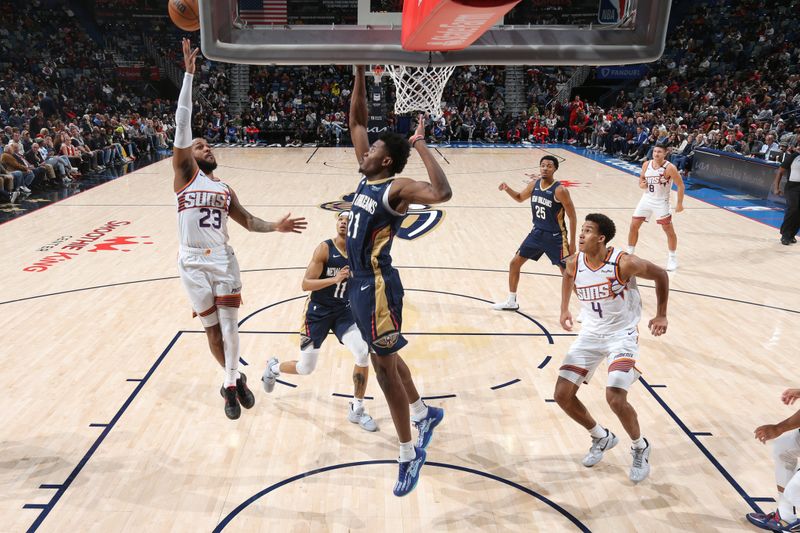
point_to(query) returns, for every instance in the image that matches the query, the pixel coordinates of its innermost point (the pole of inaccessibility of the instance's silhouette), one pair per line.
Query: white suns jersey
(609, 304)
(203, 206)
(658, 184)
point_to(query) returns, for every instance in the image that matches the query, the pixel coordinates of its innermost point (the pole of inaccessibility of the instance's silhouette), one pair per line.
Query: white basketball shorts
(655, 207)
(211, 277)
(620, 349)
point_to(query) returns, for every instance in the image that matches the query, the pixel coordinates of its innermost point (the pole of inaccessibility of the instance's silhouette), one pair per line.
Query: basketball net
(419, 88)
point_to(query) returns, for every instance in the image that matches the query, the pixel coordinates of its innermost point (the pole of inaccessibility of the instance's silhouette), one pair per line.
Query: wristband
(416, 138)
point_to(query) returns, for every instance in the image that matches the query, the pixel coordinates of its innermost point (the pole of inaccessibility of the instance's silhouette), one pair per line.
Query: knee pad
(356, 344)
(308, 360)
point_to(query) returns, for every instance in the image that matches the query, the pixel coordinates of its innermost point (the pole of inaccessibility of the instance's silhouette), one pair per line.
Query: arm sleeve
(787, 161)
(183, 116)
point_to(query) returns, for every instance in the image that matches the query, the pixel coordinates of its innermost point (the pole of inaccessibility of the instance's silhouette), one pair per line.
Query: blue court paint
(549, 400)
(93, 448)
(134, 380)
(98, 425)
(36, 506)
(439, 397)
(393, 463)
(658, 386)
(350, 396)
(46, 486)
(729, 478)
(292, 385)
(506, 384)
(544, 362)
(702, 434)
(764, 500)
(243, 362)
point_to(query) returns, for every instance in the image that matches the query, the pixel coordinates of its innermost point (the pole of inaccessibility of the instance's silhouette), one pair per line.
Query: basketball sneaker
(640, 468)
(269, 378)
(427, 425)
(598, 448)
(672, 264)
(232, 408)
(408, 474)
(243, 393)
(359, 416)
(508, 305)
(772, 522)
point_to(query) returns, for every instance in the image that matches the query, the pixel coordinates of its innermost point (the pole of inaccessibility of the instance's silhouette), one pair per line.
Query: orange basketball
(184, 14)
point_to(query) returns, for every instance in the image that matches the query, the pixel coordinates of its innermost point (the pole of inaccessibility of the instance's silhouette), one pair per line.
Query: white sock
(418, 410)
(357, 403)
(512, 296)
(598, 431)
(631, 249)
(407, 452)
(639, 443)
(673, 254)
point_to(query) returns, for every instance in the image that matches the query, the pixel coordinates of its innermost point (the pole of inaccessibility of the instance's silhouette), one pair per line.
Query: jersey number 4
(597, 309)
(215, 217)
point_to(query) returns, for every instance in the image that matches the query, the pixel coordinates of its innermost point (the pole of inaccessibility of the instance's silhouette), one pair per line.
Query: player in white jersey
(207, 265)
(604, 279)
(786, 452)
(656, 179)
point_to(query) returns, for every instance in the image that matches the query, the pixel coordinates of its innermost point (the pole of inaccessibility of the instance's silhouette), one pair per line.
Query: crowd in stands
(728, 81)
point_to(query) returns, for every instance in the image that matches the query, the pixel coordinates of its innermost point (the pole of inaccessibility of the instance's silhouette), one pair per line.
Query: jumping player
(656, 179)
(328, 309)
(604, 280)
(376, 293)
(549, 202)
(207, 265)
(786, 452)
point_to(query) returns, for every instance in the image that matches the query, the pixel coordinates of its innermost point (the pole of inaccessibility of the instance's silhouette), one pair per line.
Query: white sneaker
(24, 189)
(598, 448)
(269, 378)
(359, 416)
(508, 305)
(15, 196)
(672, 264)
(640, 468)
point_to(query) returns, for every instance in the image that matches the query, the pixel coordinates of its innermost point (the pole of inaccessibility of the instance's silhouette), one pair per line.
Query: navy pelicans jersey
(610, 304)
(332, 296)
(547, 212)
(373, 225)
(203, 206)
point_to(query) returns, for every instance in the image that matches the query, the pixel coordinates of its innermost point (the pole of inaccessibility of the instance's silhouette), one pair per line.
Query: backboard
(536, 32)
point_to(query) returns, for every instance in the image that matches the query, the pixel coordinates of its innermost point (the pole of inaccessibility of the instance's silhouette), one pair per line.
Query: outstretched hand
(291, 225)
(189, 56)
(420, 125)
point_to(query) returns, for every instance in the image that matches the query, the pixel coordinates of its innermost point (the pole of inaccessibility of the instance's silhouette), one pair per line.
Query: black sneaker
(232, 408)
(246, 397)
(785, 241)
(793, 240)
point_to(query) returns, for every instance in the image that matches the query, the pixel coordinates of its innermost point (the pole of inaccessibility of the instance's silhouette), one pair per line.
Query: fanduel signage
(623, 72)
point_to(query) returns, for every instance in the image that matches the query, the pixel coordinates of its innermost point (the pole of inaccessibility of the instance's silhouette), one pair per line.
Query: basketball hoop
(419, 88)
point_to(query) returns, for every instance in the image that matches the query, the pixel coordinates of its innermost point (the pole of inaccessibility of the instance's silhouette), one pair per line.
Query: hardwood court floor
(113, 420)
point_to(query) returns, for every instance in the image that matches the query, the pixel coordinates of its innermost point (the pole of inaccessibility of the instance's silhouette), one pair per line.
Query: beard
(205, 166)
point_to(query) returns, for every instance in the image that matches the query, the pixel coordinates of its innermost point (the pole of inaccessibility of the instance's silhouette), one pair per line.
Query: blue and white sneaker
(409, 472)
(427, 424)
(772, 522)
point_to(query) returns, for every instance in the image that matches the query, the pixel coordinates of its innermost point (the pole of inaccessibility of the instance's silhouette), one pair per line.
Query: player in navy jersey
(550, 201)
(328, 309)
(376, 293)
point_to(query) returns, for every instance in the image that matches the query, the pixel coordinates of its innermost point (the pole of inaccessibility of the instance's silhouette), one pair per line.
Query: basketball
(184, 14)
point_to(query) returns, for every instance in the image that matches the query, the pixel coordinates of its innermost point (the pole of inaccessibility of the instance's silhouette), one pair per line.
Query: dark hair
(398, 148)
(663, 146)
(552, 158)
(604, 224)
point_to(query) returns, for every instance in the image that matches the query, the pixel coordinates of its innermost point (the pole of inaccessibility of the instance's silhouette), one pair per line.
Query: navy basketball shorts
(377, 305)
(540, 242)
(319, 320)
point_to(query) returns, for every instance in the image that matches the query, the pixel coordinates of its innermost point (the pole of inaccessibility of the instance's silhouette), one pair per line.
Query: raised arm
(358, 114)
(563, 196)
(408, 191)
(567, 288)
(520, 196)
(672, 172)
(183, 162)
(629, 266)
(252, 223)
(311, 281)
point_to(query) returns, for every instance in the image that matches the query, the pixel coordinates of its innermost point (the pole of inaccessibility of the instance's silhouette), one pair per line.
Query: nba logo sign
(611, 11)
